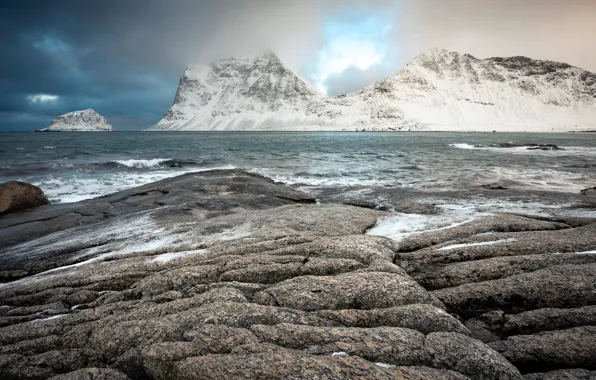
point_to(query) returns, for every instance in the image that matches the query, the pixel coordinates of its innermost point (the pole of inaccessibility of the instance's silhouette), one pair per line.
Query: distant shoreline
(303, 131)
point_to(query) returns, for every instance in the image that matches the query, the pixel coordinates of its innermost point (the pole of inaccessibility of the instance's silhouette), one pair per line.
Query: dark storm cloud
(124, 57)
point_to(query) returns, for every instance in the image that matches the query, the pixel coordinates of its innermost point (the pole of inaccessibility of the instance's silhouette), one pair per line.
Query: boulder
(18, 196)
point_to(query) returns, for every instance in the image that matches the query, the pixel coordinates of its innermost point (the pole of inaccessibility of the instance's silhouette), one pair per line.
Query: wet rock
(417, 208)
(549, 350)
(532, 146)
(241, 276)
(368, 290)
(498, 223)
(18, 196)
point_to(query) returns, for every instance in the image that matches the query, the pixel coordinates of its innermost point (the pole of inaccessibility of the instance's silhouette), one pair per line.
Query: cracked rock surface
(226, 274)
(526, 286)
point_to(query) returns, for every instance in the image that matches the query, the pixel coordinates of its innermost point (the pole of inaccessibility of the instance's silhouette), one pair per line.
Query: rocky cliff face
(84, 120)
(438, 90)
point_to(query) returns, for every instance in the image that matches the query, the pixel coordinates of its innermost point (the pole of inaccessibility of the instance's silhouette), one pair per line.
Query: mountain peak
(268, 54)
(438, 90)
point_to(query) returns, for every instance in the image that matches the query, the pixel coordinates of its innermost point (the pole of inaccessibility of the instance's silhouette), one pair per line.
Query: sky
(124, 58)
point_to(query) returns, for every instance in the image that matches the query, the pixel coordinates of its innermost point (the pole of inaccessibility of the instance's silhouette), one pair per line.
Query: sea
(445, 171)
(71, 167)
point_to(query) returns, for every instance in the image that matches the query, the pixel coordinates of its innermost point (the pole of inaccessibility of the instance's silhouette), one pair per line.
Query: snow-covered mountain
(240, 94)
(444, 90)
(79, 121)
(438, 90)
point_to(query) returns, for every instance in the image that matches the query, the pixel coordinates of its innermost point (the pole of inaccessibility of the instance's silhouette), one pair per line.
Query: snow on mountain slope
(445, 90)
(84, 120)
(438, 90)
(241, 94)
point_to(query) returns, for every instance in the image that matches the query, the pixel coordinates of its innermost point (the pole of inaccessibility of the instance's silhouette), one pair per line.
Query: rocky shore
(227, 275)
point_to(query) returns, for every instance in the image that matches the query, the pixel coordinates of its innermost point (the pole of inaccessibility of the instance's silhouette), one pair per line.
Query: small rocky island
(228, 275)
(79, 121)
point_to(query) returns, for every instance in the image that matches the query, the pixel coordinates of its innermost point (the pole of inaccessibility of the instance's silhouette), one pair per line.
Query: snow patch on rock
(79, 121)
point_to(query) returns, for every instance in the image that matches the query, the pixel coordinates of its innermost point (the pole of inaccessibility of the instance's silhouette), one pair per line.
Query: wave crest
(140, 164)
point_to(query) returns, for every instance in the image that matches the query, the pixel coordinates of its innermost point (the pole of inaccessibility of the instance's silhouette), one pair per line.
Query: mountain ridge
(437, 90)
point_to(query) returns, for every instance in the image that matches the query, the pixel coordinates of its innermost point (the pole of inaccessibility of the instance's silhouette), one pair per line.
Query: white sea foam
(139, 164)
(339, 353)
(532, 179)
(78, 187)
(400, 225)
(49, 318)
(462, 146)
(166, 257)
(385, 365)
(495, 242)
(565, 151)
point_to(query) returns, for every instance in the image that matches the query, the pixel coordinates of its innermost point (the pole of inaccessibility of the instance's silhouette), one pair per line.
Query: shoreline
(227, 273)
(318, 131)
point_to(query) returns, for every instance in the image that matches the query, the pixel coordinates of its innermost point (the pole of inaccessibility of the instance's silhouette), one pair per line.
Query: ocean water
(70, 167)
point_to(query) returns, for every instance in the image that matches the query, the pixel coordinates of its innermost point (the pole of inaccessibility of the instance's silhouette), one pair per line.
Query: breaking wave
(138, 164)
(564, 151)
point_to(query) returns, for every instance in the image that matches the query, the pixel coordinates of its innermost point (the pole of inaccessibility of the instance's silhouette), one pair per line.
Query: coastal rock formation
(523, 285)
(17, 196)
(225, 274)
(79, 121)
(438, 90)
